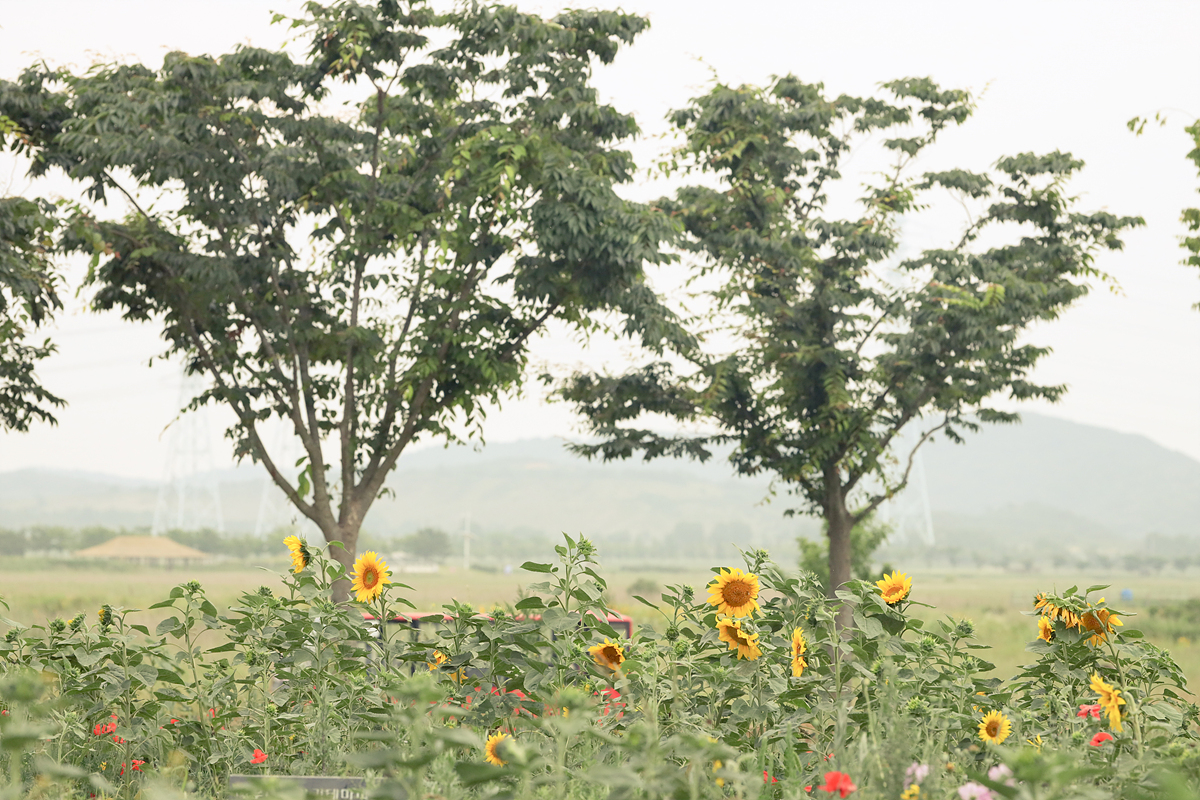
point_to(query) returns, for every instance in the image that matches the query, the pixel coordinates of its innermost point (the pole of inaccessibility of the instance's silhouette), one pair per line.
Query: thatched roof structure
(145, 549)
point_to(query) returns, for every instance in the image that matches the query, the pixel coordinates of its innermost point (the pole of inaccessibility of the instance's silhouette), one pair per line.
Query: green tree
(431, 543)
(823, 345)
(371, 277)
(28, 296)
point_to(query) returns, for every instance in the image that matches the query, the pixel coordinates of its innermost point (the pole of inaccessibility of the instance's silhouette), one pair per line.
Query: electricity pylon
(189, 497)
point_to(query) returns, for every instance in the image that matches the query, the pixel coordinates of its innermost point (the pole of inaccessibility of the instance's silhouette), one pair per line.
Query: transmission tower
(189, 497)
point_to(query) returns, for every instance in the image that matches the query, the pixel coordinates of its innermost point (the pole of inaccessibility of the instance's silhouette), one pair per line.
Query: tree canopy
(824, 344)
(371, 274)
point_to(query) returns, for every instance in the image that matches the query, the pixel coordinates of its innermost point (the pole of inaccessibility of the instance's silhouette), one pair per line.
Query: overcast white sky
(1063, 75)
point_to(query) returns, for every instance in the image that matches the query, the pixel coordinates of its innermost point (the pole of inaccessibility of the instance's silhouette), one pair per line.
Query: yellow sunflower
(608, 654)
(492, 749)
(994, 727)
(439, 658)
(1099, 622)
(1045, 629)
(1109, 698)
(369, 576)
(799, 647)
(734, 593)
(744, 642)
(894, 588)
(299, 550)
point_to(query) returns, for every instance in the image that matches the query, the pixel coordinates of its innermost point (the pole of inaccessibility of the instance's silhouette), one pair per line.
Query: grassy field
(37, 591)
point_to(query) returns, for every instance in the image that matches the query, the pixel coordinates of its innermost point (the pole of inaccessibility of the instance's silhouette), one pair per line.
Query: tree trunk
(840, 523)
(344, 555)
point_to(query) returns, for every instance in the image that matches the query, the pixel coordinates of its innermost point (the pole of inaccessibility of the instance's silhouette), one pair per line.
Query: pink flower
(1100, 738)
(1093, 711)
(916, 773)
(974, 791)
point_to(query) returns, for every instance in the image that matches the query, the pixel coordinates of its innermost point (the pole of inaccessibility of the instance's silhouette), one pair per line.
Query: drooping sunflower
(1109, 698)
(369, 576)
(1045, 604)
(608, 654)
(1045, 629)
(1099, 622)
(299, 551)
(492, 749)
(734, 593)
(894, 588)
(994, 727)
(799, 648)
(744, 642)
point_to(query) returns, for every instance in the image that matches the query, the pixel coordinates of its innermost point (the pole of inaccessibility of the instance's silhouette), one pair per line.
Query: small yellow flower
(1036, 742)
(799, 647)
(299, 552)
(608, 654)
(994, 727)
(913, 792)
(894, 588)
(744, 642)
(734, 593)
(717, 766)
(1109, 699)
(369, 576)
(492, 749)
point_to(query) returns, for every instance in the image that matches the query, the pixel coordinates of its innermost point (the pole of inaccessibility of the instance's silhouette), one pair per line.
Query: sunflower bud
(106, 615)
(57, 625)
(965, 629)
(77, 622)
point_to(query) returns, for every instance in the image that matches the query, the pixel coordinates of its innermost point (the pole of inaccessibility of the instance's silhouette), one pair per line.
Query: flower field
(746, 689)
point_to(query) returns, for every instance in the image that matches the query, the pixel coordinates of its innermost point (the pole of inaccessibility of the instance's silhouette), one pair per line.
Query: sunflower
(894, 588)
(1099, 622)
(1045, 604)
(492, 749)
(994, 727)
(799, 647)
(299, 550)
(744, 642)
(369, 576)
(734, 593)
(608, 654)
(1045, 629)
(439, 658)
(1109, 699)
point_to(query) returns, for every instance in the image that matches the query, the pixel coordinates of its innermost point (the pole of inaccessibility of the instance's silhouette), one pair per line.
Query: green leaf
(532, 566)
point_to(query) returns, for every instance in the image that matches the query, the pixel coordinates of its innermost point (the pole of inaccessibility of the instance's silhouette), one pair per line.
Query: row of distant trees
(376, 278)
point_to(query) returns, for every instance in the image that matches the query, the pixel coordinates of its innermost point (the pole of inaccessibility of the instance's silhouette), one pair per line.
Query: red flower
(174, 722)
(1094, 711)
(838, 782)
(1100, 738)
(137, 764)
(768, 779)
(259, 757)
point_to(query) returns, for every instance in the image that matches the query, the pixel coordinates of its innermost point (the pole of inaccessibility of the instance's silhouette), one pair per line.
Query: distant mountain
(1022, 483)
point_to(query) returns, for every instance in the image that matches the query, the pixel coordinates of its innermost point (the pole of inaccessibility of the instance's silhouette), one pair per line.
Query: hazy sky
(1053, 75)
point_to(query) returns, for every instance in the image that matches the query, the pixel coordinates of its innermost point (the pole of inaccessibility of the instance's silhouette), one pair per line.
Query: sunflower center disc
(736, 593)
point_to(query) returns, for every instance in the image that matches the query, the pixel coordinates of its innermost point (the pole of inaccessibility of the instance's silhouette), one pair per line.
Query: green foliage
(318, 689)
(370, 278)
(431, 543)
(824, 347)
(28, 295)
(865, 539)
